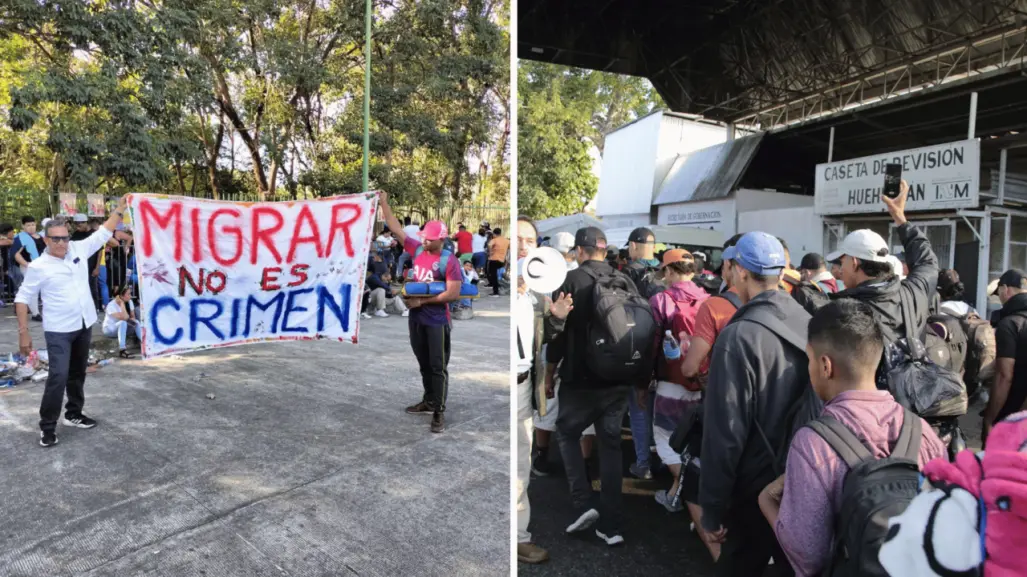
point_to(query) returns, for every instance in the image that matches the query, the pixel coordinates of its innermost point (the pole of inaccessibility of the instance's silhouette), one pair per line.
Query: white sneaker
(365, 316)
(406, 313)
(381, 314)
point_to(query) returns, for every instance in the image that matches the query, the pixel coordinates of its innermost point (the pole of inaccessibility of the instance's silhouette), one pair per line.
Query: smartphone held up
(892, 180)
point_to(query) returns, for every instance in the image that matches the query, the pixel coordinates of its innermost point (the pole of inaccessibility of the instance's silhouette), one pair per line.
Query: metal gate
(940, 233)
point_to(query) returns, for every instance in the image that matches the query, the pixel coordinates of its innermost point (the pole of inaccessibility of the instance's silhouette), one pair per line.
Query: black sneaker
(421, 407)
(80, 421)
(47, 439)
(438, 422)
(540, 464)
(586, 518)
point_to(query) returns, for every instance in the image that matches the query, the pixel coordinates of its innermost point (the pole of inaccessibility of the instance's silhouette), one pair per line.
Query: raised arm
(390, 219)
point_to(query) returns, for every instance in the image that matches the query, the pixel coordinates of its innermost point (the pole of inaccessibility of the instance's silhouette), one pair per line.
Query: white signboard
(716, 215)
(940, 177)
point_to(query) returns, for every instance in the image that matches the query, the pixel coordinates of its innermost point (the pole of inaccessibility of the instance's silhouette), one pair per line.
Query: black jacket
(375, 282)
(755, 376)
(568, 337)
(1011, 342)
(922, 283)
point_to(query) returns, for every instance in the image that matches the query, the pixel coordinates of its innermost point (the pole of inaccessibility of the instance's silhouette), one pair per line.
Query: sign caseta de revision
(940, 177)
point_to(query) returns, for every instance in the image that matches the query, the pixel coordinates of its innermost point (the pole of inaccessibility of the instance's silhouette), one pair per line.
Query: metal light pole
(367, 90)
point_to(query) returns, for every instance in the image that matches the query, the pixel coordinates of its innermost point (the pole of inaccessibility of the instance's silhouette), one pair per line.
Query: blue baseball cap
(760, 253)
(729, 253)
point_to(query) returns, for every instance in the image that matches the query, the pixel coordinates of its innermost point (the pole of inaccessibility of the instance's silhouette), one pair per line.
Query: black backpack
(622, 334)
(915, 380)
(645, 280)
(951, 338)
(874, 491)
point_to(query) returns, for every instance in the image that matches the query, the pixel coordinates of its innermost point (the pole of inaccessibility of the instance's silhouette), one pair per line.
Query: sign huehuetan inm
(940, 177)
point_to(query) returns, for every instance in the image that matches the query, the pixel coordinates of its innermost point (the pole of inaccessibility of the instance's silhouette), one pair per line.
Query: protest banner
(68, 203)
(94, 204)
(215, 274)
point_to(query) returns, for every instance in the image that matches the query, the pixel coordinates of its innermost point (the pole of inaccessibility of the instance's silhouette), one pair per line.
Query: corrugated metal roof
(710, 173)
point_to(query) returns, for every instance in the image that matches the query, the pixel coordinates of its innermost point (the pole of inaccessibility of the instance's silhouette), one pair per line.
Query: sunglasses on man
(59, 239)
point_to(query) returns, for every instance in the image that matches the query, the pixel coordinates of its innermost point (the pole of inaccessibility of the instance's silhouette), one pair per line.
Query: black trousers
(750, 544)
(580, 408)
(492, 270)
(69, 356)
(431, 347)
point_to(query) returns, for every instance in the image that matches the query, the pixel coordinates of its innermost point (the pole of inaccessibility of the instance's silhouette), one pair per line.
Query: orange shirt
(712, 317)
(497, 248)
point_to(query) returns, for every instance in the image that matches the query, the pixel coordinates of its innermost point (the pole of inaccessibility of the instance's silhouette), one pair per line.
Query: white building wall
(628, 168)
(749, 199)
(636, 159)
(800, 227)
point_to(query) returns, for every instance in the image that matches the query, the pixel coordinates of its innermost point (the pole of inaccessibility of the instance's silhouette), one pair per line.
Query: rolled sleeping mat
(426, 289)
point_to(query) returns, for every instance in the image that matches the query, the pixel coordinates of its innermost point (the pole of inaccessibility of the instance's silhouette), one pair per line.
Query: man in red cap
(429, 323)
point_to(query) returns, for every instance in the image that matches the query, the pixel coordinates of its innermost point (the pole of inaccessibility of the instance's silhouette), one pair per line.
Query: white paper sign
(215, 274)
(940, 177)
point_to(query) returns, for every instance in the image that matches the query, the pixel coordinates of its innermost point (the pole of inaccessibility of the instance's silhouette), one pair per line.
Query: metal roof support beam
(830, 147)
(972, 128)
(1002, 175)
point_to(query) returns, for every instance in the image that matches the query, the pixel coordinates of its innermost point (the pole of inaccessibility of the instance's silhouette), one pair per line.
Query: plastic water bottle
(105, 362)
(671, 347)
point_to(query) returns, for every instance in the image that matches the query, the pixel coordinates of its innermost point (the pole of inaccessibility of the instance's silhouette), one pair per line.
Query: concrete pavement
(303, 464)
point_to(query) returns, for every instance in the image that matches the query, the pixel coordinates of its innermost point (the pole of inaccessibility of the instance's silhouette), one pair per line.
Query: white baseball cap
(863, 244)
(80, 218)
(563, 242)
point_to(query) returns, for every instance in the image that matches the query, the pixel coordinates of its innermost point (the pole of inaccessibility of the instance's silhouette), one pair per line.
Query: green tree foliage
(563, 115)
(253, 98)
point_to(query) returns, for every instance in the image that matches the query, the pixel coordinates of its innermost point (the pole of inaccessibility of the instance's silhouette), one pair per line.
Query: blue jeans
(478, 260)
(641, 426)
(121, 329)
(105, 292)
(403, 258)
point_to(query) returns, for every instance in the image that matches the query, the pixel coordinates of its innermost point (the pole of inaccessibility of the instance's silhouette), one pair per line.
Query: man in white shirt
(61, 277)
(411, 231)
(479, 255)
(524, 316)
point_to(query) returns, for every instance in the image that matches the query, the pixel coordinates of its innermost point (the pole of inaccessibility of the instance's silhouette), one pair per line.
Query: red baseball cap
(434, 230)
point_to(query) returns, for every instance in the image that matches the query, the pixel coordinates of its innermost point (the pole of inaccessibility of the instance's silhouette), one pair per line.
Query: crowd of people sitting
(483, 255)
(795, 409)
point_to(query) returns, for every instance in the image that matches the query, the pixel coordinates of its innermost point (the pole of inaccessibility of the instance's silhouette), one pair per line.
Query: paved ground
(656, 542)
(303, 465)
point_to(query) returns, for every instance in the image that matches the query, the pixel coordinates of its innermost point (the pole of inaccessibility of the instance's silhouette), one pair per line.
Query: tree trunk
(252, 141)
(192, 187)
(179, 177)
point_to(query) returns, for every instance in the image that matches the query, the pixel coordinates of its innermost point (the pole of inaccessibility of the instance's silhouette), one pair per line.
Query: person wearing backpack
(429, 320)
(644, 270)
(757, 380)
(860, 457)
(675, 310)
(866, 271)
(979, 365)
(713, 316)
(605, 333)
